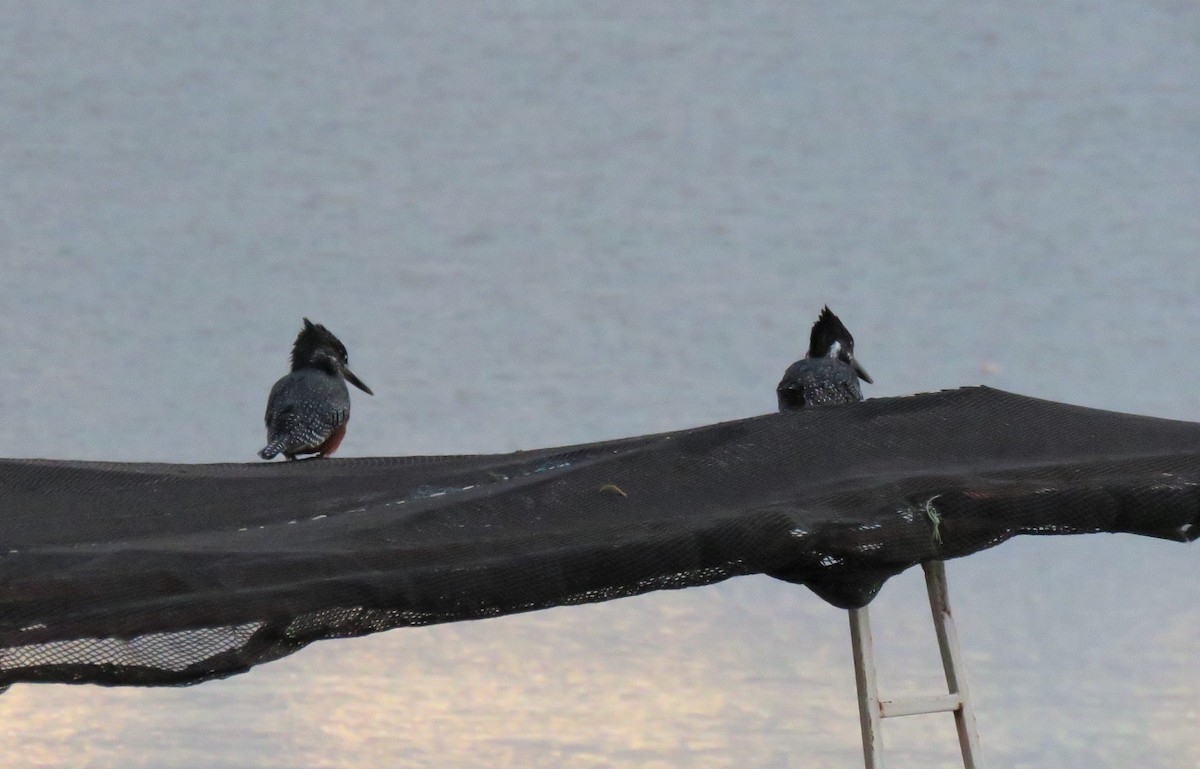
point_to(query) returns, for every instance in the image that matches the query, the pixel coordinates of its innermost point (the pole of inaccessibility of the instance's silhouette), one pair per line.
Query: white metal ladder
(872, 710)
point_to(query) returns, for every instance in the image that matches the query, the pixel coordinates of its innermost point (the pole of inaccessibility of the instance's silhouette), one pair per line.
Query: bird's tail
(271, 449)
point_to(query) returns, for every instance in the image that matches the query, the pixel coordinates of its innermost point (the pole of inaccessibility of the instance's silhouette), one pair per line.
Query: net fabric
(157, 574)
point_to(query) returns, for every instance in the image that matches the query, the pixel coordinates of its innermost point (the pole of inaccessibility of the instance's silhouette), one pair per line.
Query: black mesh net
(159, 574)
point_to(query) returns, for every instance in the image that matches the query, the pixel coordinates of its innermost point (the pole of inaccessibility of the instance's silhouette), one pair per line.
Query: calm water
(535, 223)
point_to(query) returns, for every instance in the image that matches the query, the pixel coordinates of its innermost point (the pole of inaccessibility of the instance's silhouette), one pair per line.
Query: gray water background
(538, 223)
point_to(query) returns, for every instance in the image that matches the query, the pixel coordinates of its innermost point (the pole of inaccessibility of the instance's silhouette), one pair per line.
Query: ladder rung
(945, 703)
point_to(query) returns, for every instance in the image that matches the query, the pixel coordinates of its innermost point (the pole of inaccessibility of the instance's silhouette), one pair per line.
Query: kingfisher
(308, 409)
(828, 375)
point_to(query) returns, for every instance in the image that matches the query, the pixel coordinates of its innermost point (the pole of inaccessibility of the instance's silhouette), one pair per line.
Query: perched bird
(828, 375)
(308, 409)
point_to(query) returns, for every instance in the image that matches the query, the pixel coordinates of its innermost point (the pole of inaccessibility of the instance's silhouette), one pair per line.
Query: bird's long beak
(352, 379)
(862, 372)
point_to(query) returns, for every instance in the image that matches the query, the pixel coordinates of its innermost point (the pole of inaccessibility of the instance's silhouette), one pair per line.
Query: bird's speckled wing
(304, 409)
(818, 382)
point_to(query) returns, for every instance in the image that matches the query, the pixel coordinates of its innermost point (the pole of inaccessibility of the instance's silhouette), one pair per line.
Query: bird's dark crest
(827, 330)
(313, 339)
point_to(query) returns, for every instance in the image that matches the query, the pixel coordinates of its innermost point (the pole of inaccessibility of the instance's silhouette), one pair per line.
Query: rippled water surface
(538, 223)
